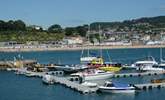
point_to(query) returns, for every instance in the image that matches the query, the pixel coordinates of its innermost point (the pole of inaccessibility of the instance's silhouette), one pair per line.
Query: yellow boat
(110, 66)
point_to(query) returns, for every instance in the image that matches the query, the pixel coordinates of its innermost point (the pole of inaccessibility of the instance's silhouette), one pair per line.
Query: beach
(22, 49)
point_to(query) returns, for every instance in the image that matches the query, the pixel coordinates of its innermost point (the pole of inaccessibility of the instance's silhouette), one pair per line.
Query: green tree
(55, 28)
(69, 31)
(82, 30)
(19, 25)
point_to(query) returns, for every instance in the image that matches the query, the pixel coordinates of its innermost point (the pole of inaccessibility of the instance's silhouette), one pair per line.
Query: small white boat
(111, 87)
(47, 79)
(94, 74)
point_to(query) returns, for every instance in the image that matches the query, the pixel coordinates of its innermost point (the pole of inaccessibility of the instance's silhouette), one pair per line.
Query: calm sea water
(14, 87)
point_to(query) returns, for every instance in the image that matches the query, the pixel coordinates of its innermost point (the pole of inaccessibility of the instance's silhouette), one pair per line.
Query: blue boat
(112, 87)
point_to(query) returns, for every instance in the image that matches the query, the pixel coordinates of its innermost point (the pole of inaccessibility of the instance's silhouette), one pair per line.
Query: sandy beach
(4, 49)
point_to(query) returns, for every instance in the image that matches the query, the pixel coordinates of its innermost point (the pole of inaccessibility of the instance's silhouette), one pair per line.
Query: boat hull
(98, 77)
(111, 69)
(117, 90)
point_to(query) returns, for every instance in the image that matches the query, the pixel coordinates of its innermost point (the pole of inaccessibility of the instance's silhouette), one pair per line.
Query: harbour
(141, 80)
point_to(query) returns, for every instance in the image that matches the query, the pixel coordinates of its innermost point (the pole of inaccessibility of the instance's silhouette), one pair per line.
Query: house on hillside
(73, 40)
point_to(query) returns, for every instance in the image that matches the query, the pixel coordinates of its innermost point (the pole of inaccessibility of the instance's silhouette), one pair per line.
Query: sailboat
(105, 66)
(88, 58)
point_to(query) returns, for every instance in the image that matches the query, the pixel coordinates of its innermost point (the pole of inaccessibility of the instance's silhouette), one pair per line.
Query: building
(73, 40)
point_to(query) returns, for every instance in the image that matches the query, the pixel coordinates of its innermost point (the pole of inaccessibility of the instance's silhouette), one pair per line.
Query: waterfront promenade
(15, 49)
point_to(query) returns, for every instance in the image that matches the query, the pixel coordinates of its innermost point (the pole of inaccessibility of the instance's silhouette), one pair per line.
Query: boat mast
(100, 42)
(88, 39)
(161, 50)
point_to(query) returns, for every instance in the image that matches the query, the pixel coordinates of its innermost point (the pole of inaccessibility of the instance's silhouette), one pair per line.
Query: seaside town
(136, 32)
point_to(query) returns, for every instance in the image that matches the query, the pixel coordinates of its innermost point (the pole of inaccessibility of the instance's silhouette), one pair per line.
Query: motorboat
(93, 74)
(111, 87)
(146, 63)
(47, 79)
(70, 68)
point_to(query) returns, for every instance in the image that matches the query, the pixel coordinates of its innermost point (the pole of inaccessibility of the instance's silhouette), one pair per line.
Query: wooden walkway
(73, 85)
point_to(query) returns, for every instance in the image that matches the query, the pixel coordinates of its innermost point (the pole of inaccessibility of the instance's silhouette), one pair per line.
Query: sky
(69, 13)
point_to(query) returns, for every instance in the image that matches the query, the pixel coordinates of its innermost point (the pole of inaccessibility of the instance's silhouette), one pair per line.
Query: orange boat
(158, 81)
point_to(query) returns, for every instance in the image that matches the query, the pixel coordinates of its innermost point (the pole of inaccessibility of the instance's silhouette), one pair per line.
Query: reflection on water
(126, 96)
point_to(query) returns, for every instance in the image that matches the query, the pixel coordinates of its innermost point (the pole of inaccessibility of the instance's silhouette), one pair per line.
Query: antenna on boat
(161, 49)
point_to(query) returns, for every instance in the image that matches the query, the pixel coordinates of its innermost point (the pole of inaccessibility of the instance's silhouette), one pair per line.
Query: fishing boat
(106, 66)
(111, 87)
(111, 66)
(93, 74)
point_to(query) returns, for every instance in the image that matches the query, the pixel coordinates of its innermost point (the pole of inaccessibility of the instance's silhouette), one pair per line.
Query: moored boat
(158, 81)
(111, 87)
(146, 64)
(106, 66)
(111, 66)
(94, 74)
(70, 68)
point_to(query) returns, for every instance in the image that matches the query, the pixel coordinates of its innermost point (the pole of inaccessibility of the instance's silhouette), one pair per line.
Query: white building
(73, 40)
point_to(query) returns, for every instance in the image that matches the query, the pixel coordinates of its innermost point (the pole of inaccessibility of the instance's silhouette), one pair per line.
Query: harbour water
(14, 87)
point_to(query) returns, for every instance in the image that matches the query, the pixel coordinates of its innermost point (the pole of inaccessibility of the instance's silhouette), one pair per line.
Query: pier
(138, 74)
(149, 86)
(73, 85)
(74, 82)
